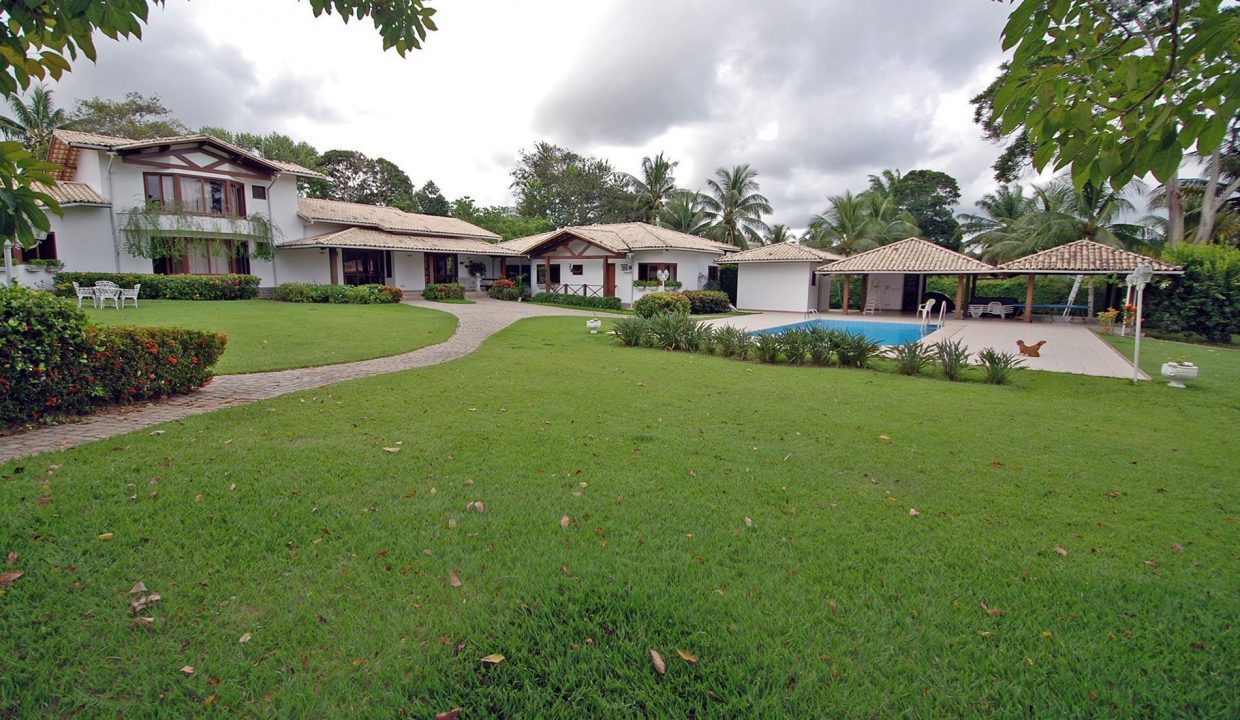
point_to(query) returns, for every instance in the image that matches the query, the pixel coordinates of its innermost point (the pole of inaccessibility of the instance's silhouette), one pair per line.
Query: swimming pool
(883, 333)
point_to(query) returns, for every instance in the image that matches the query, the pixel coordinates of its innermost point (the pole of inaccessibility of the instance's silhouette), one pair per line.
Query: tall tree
(431, 201)
(137, 116)
(779, 233)
(736, 207)
(276, 146)
(654, 186)
(570, 189)
(856, 223)
(33, 120)
(927, 195)
(360, 179)
(684, 212)
(503, 221)
(1000, 210)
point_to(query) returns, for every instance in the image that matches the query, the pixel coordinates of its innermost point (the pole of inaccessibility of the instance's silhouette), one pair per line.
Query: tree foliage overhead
(570, 189)
(361, 179)
(137, 116)
(656, 184)
(430, 200)
(928, 196)
(1116, 89)
(33, 120)
(685, 211)
(276, 146)
(855, 223)
(503, 221)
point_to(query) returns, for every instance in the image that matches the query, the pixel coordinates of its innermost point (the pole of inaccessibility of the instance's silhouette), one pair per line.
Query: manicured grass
(265, 335)
(756, 516)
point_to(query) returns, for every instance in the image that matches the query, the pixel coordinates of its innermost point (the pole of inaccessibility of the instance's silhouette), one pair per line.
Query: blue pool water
(883, 333)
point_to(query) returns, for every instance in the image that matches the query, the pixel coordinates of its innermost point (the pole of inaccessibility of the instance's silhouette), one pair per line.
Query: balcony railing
(583, 290)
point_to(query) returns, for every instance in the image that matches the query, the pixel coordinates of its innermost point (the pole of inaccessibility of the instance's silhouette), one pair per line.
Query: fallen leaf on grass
(687, 656)
(834, 607)
(359, 662)
(912, 512)
(105, 536)
(8, 576)
(493, 659)
(158, 432)
(12, 558)
(452, 714)
(187, 670)
(992, 611)
(142, 622)
(1152, 562)
(657, 660)
(391, 449)
(748, 522)
(454, 578)
(1061, 551)
(564, 521)
(244, 638)
(138, 587)
(884, 437)
(1174, 546)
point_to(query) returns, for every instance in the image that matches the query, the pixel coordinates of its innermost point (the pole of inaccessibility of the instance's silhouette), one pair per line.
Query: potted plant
(593, 324)
(476, 270)
(1177, 371)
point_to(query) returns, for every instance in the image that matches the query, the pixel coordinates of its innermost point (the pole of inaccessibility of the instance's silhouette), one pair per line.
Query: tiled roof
(388, 218)
(1085, 257)
(912, 255)
(72, 193)
(75, 138)
(782, 252)
(358, 237)
(622, 238)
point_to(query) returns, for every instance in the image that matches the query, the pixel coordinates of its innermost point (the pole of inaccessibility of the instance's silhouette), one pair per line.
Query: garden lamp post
(1139, 279)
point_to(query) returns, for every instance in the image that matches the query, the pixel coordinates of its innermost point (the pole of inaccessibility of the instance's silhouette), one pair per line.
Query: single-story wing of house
(781, 278)
(624, 260)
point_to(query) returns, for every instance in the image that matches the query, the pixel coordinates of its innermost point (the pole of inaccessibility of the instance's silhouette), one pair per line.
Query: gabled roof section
(388, 219)
(72, 193)
(623, 238)
(911, 255)
(64, 142)
(369, 238)
(782, 252)
(1086, 257)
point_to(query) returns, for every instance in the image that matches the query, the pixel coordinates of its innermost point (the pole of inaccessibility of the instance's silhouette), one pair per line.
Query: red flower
(172, 360)
(133, 391)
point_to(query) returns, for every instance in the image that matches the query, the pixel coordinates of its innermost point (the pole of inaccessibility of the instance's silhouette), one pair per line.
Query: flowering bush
(661, 303)
(144, 363)
(444, 291)
(505, 289)
(167, 287)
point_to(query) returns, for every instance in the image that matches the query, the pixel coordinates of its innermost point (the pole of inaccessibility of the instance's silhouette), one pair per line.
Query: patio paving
(1070, 348)
(475, 323)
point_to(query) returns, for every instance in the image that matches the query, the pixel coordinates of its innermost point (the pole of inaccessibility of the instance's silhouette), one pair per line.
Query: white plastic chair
(81, 292)
(871, 307)
(997, 308)
(131, 294)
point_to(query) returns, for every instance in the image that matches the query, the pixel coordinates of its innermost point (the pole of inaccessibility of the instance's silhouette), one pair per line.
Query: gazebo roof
(912, 255)
(1086, 257)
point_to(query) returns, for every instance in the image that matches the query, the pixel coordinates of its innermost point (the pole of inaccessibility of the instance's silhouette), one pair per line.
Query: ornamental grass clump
(767, 347)
(911, 357)
(795, 344)
(732, 342)
(953, 358)
(998, 366)
(631, 331)
(673, 331)
(856, 350)
(821, 347)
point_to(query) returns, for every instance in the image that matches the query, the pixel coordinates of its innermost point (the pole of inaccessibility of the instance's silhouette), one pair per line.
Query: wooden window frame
(258, 192)
(180, 265)
(650, 270)
(577, 269)
(233, 197)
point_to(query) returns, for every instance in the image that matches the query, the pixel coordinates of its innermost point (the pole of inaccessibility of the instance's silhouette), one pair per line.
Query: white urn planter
(1177, 373)
(593, 324)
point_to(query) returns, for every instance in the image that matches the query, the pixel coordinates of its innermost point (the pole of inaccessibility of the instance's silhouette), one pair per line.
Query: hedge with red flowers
(54, 363)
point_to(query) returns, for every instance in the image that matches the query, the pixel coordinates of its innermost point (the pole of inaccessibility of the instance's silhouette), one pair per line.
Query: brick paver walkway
(475, 323)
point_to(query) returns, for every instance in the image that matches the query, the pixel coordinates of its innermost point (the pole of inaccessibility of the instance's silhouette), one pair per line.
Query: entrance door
(609, 280)
(440, 268)
(911, 297)
(364, 267)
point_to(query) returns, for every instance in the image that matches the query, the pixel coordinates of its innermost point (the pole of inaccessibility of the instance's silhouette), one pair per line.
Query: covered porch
(573, 265)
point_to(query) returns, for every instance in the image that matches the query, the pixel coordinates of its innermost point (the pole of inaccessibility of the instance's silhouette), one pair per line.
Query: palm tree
(779, 233)
(654, 186)
(888, 222)
(1000, 211)
(1064, 214)
(856, 223)
(683, 211)
(33, 122)
(735, 206)
(885, 183)
(1192, 196)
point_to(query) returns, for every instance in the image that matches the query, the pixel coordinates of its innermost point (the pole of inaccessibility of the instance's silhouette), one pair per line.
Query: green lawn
(265, 335)
(755, 516)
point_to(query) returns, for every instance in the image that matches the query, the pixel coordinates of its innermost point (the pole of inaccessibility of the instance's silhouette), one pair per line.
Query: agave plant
(794, 343)
(856, 350)
(704, 338)
(953, 358)
(766, 347)
(673, 331)
(998, 365)
(820, 346)
(631, 331)
(911, 357)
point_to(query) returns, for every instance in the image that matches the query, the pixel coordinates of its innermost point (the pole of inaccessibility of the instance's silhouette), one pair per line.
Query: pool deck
(1070, 347)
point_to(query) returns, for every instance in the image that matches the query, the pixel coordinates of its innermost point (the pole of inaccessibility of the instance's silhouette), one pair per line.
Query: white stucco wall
(409, 270)
(304, 265)
(776, 286)
(84, 239)
(887, 289)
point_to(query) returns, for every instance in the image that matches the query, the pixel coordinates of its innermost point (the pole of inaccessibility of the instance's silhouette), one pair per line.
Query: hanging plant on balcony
(156, 231)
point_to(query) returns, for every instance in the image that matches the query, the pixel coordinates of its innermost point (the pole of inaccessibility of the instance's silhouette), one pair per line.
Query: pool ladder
(810, 315)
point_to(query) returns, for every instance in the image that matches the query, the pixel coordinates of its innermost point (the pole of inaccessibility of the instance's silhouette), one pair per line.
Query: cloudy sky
(814, 94)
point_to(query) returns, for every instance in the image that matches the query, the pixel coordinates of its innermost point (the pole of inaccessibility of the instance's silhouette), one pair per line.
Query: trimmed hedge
(372, 294)
(706, 302)
(444, 291)
(600, 303)
(1203, 302)
(661, 303)
(168, 287)
(54, 363)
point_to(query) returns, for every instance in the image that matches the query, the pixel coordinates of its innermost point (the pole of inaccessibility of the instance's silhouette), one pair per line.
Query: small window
(650, 271)
(576, 270)
(258, 192)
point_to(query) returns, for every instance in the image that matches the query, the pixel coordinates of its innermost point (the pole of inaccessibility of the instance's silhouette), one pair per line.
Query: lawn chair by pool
(871, 307)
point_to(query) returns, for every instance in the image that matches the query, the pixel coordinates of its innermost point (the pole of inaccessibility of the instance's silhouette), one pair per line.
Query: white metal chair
(84, 292)
(106, 290)
(131, 294)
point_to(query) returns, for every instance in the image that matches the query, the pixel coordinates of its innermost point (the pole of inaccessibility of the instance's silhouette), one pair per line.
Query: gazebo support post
(847, 288)
(960, 280)
(1029, 299)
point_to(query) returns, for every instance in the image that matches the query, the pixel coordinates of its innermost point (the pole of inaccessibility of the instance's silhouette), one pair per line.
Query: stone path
(475, 323)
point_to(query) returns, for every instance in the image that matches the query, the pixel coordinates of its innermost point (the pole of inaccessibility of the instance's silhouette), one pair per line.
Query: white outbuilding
(781, 278)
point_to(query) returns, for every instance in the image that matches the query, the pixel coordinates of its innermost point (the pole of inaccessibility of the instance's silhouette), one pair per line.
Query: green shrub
(146, 363)
(167, 287)
(631, 331)
(673, 284)
(795, 343)
(953, 358)
(1205, 300)
(706, 302)
(911, 357)
(855, 350)
(821, 347)
(1047, 290)
(645, 283)
(766, 347)
(661, 303)
(673, 331)
(732, 342)
(444, 291)
(46, 348)
(505, 289)
(600, 303)
(703, 339)
(727, 280)
(339, 294)
(998, 366)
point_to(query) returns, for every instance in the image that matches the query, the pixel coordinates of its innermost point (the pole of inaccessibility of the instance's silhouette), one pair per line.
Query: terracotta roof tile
(72, 193)
(388, 218)
(624, 237)
(359, 237)
(782, 252)
(76, 138)
(912, 255)
(1085, 257)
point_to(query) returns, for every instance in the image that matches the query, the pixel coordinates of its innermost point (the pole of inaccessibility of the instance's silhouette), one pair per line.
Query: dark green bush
(706, 302)
(733, 342)
(600, 303)
(854, 349)
(1204, 301)
(339, 294)
(674, 331)
(1047, 290)
(727, 280)
(821, 347)
(146, 363)
(661, 303)
(795, 344)
(766, 347)
(167, 287)
(444, 291)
